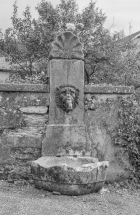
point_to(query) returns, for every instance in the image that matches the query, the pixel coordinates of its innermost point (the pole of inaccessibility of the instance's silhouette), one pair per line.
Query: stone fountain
(66, 165)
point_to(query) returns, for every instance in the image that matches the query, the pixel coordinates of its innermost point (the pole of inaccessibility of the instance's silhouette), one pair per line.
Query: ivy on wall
(128, 132)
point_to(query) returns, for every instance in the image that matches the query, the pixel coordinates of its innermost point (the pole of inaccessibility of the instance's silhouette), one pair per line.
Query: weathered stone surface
(10, 118)
(23, 142)
(15, 100)
(5, 153)
(35, 121)
(106, 89)
(66, 140)
(66, 133)
(68, 175)
(4, 76)
(22, 139)
(6, 169)
(22, 145)
(66, 46)
(34, 109)
(26, 153)
(10, 104)
(24, 87)
(66, 72)
(102, 119)
(18, 172)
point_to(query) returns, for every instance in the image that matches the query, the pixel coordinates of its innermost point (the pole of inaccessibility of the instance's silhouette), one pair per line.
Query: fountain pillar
(66, 131)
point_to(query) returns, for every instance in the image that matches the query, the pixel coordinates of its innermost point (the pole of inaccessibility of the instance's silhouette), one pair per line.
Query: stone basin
(69, 175)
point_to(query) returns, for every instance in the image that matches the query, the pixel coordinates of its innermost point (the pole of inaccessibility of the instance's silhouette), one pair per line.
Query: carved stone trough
(69, 175)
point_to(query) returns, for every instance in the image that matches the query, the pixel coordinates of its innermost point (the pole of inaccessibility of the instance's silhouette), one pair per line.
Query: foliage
(55, 19)
(122, 66)
(23, 43)
(39, 78)
(128, 132)
(67, 12)
(88, 27)
(27, 43)
(105, 62)
(128, 62)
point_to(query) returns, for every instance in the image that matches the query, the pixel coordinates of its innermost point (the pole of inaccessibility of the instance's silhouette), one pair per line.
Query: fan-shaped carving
(66, 46)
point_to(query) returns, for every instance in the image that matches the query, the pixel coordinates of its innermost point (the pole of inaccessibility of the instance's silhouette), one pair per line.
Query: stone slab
(22, 139)
(26, 153)
(35, 121)
(106, 89)
(34, 109)
(65, 139)
(66, 72)
(24, 87)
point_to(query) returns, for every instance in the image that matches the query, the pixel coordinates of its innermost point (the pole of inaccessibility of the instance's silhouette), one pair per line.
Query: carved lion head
(67, 97)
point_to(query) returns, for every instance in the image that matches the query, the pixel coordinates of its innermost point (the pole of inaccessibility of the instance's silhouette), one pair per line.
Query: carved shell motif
(66, 46)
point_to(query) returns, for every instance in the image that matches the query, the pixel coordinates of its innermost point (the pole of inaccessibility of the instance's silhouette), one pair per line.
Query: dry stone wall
(23, 120)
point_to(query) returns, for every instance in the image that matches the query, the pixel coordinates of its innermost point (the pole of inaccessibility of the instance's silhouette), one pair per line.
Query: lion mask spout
(67, 97)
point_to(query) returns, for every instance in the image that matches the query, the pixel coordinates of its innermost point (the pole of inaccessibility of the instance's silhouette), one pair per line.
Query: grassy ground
(26, 200)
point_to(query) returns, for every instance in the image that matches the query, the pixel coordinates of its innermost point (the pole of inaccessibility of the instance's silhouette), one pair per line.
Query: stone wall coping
(12, 87)
(44, 88)
(107, 89)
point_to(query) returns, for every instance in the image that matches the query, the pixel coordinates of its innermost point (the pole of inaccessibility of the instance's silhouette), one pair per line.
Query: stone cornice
(107, 89)
(41, 88)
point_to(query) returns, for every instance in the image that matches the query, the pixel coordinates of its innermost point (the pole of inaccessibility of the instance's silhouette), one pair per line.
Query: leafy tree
(103, 62)
(88, 26)
(126, 61)
(23, 42)
(67, 12)
(28, 41)
(55, 19)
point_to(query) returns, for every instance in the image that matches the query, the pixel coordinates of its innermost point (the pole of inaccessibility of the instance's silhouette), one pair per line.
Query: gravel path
(17, 200)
